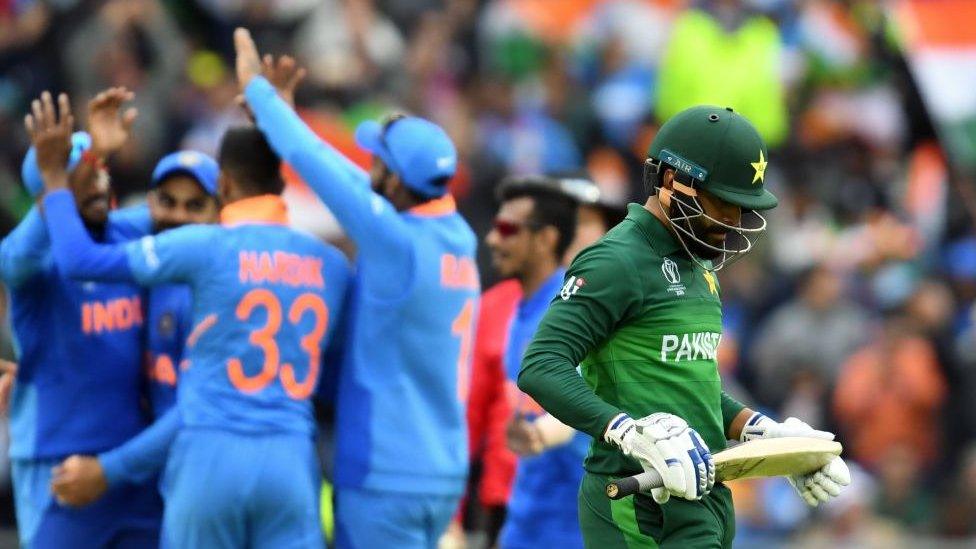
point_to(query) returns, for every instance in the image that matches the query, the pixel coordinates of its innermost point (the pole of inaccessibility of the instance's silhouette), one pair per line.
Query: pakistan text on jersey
(686, 347)
(115, 315)
(280, 268)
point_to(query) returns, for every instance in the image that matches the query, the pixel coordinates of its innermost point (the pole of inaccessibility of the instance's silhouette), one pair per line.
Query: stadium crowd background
(855, 314)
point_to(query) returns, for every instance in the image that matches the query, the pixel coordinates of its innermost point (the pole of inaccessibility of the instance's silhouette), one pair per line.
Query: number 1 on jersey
(461, 327)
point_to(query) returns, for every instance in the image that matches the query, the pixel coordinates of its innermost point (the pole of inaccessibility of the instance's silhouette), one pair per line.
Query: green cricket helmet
(718, 150)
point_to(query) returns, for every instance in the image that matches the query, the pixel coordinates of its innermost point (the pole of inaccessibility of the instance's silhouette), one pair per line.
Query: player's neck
(536, 275)
(653, 205)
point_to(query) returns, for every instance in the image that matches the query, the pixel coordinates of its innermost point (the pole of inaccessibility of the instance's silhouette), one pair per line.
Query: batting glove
(665, 443)
(817, 487)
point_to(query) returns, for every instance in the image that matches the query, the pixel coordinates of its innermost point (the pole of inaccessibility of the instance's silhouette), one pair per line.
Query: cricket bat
(769, 457)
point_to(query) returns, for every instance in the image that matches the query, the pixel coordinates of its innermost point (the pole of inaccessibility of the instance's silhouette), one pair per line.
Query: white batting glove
(665, 443)
(817, 487)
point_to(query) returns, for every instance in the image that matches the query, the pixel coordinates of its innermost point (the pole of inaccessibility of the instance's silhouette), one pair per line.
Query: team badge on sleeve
(573, 285)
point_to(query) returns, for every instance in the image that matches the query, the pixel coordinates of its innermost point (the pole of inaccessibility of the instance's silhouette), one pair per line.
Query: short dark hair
(247, 157)
(550, 207)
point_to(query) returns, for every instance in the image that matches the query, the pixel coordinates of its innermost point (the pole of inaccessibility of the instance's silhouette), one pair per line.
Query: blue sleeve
(129, 223)
(143, 456)
(24, 251)
(335, 348)
(74, 251)
(177, 255)
(368, 218)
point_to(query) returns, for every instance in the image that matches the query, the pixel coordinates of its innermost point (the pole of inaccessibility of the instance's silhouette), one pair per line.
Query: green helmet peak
(721, 150)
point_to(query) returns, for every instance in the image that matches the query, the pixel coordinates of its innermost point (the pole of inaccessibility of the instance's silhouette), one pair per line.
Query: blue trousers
(366, 519)
(231, 490)
(126, 516)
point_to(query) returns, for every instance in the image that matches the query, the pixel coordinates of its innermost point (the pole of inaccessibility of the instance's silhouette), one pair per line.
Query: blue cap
(31, 174)
(192, 163)
(417, 150)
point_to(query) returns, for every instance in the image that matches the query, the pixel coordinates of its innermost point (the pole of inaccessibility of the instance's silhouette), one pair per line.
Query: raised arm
(366, 216)
(74, 251)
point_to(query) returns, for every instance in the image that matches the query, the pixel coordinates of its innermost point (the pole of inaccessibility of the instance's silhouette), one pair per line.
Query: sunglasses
(508, 229)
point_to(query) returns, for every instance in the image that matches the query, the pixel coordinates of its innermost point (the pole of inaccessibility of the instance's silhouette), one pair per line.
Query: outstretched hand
(283, 72)
(108, 125)
(51, 136)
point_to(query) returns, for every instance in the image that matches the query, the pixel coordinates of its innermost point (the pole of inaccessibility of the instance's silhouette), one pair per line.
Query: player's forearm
(734, 429)
(23, 251)
(144, 455)
(734, 416)
(553, 382)
(74, 251)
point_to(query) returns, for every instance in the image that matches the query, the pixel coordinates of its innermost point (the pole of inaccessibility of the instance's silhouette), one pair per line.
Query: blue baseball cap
(192, 163)
(31, 174)
(417, 150)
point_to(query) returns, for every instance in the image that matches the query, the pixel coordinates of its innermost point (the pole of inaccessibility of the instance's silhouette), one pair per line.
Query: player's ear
(224, 187)
(548, 237)
(667, 179)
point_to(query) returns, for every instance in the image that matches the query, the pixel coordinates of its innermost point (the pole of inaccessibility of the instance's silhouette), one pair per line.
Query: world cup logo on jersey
(670, 270)
(673, 275)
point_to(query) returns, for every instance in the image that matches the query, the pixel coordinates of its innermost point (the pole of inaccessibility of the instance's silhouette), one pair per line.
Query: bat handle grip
(628, 486)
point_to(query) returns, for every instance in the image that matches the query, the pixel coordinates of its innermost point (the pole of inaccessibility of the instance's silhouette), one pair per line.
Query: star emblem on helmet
(760, 168)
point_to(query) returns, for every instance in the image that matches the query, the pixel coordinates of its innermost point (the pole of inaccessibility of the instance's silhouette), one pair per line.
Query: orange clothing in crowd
(891, 399)
(488, 407)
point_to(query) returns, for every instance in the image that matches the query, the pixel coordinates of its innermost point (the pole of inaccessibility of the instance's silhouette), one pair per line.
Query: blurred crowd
(857, 311)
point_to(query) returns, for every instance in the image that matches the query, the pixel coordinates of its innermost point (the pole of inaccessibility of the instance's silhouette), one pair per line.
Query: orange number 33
(264, 338)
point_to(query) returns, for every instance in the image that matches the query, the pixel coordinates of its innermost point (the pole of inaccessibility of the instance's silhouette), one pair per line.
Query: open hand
(108, 125)
(248, 61)
(78, 481)
(51, 137)
(283, 72)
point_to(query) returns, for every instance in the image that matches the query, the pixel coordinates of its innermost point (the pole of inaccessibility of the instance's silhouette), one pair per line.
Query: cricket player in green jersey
(640, 313)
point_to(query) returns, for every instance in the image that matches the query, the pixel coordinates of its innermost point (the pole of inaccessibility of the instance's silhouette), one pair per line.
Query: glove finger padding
(665, 443)
(824, 484)
(696, 465)
(793, 427)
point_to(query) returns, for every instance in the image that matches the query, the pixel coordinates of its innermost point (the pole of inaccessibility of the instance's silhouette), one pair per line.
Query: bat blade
(775, 457)
(771, 457)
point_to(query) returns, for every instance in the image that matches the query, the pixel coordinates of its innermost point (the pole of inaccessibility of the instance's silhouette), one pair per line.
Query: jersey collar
(435, 208)
(267, 209)
(660, 237)
(543, 296)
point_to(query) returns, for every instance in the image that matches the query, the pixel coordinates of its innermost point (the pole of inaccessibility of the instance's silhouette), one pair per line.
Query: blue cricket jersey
(78, 345)
(168, 319)
(542, 509)
(265, 302)
(403, 381)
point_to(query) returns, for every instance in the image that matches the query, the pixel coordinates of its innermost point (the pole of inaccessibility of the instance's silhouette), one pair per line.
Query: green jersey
(643, 321)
